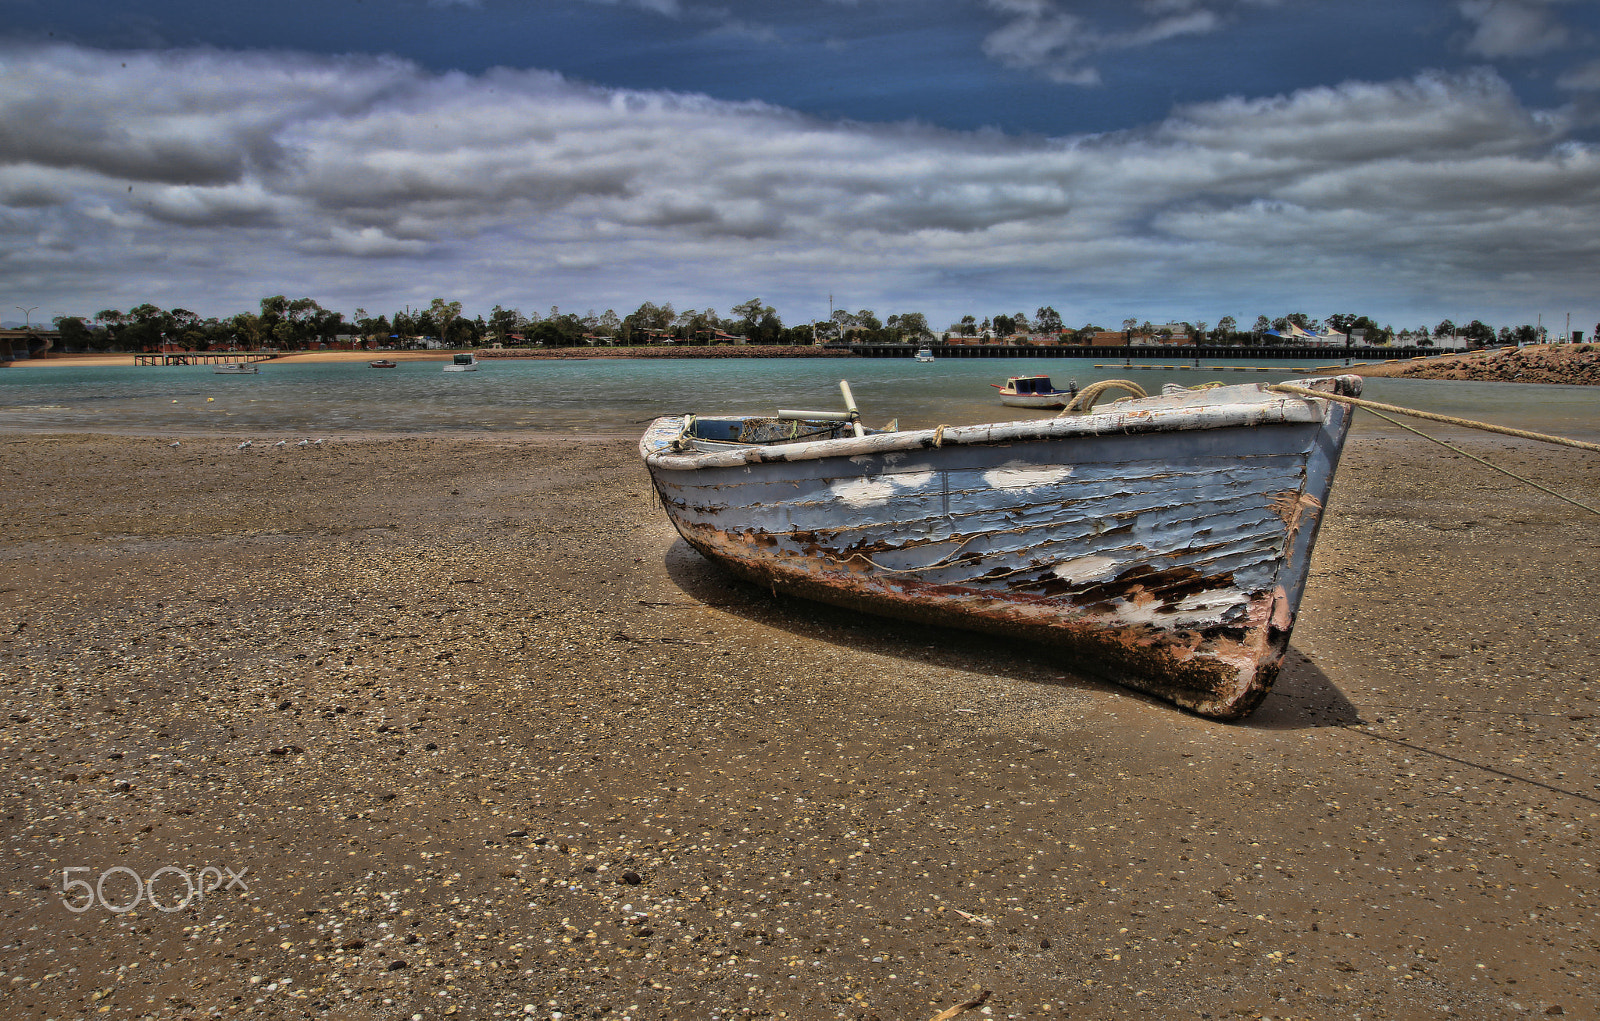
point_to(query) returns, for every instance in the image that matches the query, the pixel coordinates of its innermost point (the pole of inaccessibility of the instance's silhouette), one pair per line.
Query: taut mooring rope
(1486, 464)
(1373, 407)
(1448, 420)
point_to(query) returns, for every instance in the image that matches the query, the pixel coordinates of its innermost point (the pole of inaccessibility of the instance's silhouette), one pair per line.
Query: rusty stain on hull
(1166, 558)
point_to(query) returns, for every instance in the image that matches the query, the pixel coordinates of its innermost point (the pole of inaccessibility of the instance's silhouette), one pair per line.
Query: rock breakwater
(1577, 364)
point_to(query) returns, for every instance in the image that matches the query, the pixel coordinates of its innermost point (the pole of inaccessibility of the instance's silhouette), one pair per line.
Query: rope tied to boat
(1374, 406)
(938, 435)
(1086, 397)
(681, 441)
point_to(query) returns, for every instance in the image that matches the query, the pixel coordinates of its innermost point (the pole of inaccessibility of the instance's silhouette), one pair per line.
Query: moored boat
(382, 363)
(464, 362)
(237, 369)
(1162, 542)
(924, 354)
(1035, 392)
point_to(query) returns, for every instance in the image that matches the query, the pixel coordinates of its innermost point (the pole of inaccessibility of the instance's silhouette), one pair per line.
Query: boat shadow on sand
(1303, 697)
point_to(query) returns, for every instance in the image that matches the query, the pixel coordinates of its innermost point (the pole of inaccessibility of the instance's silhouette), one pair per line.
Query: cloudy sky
(1163, 159)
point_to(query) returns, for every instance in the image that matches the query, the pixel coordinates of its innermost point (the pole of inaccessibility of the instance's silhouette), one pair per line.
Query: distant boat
(1035, 392)
(237, 369)
(465, 362)
(924, 354)
(382, 363)
(1163, 542)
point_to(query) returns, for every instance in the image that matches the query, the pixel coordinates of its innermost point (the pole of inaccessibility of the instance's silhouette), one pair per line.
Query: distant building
(1158, 339)
(1294, 335)
(1108, 338)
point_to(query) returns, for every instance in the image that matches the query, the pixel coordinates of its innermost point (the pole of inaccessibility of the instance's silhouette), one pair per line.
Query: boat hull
(1163, 545)
(1058, 399)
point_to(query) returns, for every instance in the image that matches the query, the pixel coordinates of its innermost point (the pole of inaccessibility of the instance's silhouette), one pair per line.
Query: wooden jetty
(201, 358)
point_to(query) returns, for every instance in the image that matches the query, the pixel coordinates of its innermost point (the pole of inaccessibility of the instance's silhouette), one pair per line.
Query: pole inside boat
(850, 402)
(791, 415)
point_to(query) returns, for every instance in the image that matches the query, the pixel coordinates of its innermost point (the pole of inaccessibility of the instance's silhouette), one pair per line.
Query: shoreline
(121, 360)
(475, 722)
(1564, 364)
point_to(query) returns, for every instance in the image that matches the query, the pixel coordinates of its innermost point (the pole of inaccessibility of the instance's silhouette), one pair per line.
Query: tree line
(1226, 331)
(295, 324)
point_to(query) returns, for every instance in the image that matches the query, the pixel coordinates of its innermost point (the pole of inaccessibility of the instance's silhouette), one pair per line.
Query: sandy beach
(464, 730)
(96, 361)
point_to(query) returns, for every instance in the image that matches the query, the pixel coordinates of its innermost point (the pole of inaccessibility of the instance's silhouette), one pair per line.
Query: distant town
(285, 324)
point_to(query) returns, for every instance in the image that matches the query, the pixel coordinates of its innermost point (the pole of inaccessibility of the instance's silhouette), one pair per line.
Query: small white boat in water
(1035, 392)
(464, 362)
(925, 355)
(237, 369)
(1162, 542)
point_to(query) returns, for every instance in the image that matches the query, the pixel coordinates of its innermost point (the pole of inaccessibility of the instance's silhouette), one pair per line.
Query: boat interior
(713, 433)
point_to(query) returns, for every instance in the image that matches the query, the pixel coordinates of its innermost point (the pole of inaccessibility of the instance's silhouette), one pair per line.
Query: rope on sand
(1091, 393)
(1373, 407)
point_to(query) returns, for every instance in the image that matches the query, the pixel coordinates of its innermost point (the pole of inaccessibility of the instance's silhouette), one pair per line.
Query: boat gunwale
(654, 446)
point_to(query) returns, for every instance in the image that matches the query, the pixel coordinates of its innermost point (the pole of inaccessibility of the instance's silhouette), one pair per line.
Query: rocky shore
(462, 729)
(1574, 364)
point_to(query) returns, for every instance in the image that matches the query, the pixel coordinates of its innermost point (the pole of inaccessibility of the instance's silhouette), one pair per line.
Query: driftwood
(972, 1004)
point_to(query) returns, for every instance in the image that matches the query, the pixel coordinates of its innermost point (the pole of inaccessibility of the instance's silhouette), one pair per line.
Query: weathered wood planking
(1164, 542)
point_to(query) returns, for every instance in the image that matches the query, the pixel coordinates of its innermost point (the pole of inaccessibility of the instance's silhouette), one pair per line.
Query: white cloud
(1584, 78)
(1042, 35)
(1513, 28)
(364, 243)
(670, 8)
(183, 177)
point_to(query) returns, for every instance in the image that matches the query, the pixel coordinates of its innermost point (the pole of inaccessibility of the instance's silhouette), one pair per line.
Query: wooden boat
(1035, 392)
(1161, 542)
(382, 363)
(464, 362)
(237, 369)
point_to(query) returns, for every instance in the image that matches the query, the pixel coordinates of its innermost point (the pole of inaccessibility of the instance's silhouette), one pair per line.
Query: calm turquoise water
(616, 396)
